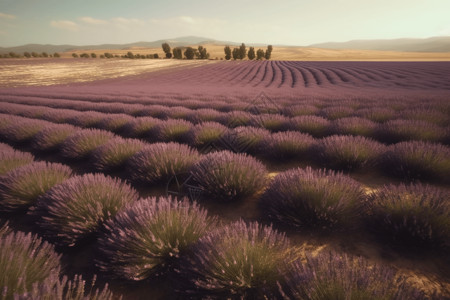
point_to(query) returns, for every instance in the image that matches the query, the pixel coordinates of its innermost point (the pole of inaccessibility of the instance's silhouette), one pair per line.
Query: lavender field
(228, 180)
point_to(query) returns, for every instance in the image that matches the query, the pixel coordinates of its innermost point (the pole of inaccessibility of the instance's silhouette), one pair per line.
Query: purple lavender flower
(313, 199)
(313, 125)
(417, 160)
(227, 176)
(11, 159)
(150, 236)
(237, 261)
(24, 260)
(83, 142)
(51, 137)
(115, 153)
(20, 187)
(286, 145)
(342, 152)
(159, 162)
(78, 207)
(330, 275)
(411, 216)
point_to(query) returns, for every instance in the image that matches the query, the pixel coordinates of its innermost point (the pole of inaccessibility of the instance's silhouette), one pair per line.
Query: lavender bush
(114, 123)
(307, 198)
(204, 115)
(159, 162)
(23, 131)
(79, 206)
(207, 133)
(149, 237)
(227, 176)
(65, 289)
(333, 275)
(115, 153)
(376, 114)
(4, 228)
(87, 119)
(405, 130)
(172, 130)
(411, 215)
(83, 142)
(5, 148)
(342, 152)
(238, 261)
(353, 126)
(336, 112)
(245, 139)
(417, 161)
(271, 122)
(286, 145)
(313, 125)
(9, 160)
(51, 137)
(140, 127)
(301, 110)
(24, 260)
(20, 187)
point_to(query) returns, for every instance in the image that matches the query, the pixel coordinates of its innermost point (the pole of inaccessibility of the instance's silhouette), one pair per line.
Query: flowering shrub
(115, 153)
(64, 289)
(336, 112)
(342, 152)
(417, 161)
(172, 130)
(405, 130)
(245, 139)
(286, 145)
(237, 261)
(20, 187)
(51, 137)
(24, 260)
(229, 176)
(159, 162)
(9, 160)
(313, 125)
(83, 142)
(376, 114)
(207, 133)
(411, 216)
(313, 199)
(353, 126)
(140, 127)
(23, 131)
(114, 123)
(79, 206)
(150, 236)
(341, 276)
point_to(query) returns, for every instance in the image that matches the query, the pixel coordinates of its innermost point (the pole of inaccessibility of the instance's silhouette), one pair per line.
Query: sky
(278, 22)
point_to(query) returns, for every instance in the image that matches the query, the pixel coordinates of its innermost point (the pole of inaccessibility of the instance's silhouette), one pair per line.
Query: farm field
(173, 179)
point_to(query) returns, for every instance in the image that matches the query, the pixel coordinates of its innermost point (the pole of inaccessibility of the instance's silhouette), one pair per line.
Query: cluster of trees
(189, 52)
(29, 55)
(110, 55)
(241, 53)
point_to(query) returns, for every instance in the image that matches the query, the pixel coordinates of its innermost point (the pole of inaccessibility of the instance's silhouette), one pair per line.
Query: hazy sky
(289, 22)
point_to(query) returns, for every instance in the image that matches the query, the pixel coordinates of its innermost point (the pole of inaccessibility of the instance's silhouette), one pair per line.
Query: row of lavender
(328, 200)
(411, 160)
(197, 109)
(382, 124)
(141, 238)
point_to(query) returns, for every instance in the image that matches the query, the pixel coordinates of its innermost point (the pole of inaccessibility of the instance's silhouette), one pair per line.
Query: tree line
(29, 55)
(129, 54)
(241, 53)
(188, 52)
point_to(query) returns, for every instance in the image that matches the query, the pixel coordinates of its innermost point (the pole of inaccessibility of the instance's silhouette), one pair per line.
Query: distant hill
(434, 44)
(175, 42)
